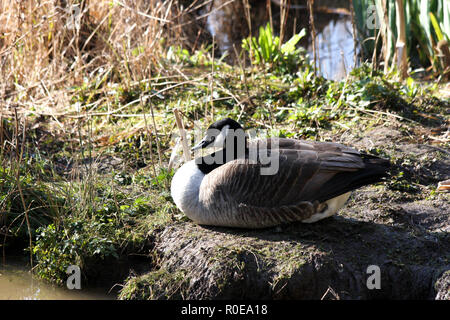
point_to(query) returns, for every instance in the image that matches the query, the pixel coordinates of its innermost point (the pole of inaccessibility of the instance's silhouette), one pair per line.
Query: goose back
(309, 174)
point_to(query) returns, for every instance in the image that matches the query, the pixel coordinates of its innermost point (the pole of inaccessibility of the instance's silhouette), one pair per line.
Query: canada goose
(313, 180)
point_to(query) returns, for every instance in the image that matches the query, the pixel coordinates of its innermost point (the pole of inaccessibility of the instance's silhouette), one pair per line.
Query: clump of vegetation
(156, 285)
(114, 224)
(22, 195)
(426, 24)
(281, 58)
(58, 248)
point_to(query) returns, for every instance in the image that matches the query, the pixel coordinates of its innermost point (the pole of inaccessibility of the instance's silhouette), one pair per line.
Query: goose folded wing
(303, 175)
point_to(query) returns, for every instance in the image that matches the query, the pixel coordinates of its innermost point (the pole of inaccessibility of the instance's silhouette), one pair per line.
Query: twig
(330, 290)
(149, 142)
(434, 147)
(211, 83)
(313, 33)
(180, 126)
(382, 112)
(247, 17)
(355, 41)
(269, 9)
(156, 134)
(19, 186)
(141, 13)
(283, 17)
(52, 101)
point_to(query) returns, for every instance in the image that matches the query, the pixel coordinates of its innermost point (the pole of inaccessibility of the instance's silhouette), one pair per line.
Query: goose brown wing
(307, 172)
(292, 144)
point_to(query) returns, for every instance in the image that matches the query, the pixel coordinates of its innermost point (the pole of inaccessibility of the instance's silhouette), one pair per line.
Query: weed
(281, 58)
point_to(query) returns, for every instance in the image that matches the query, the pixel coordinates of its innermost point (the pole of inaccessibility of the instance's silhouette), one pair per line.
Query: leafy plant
(57, 248)
(266, 49)
(426, 23)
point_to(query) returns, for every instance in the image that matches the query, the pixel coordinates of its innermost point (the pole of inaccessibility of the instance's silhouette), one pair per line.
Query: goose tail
(375, 170)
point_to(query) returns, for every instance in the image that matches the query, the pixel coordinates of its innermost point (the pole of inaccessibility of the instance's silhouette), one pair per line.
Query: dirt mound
(329, 259)
(400, 229)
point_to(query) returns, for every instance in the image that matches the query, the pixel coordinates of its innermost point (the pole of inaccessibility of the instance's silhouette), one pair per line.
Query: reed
(420, 24)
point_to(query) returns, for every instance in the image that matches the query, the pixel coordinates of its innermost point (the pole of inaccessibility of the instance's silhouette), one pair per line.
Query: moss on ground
(160, 284)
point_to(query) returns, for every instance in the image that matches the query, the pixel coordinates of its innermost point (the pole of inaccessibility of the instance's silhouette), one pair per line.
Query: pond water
(335, 48)
(334, 35)
(17, 283)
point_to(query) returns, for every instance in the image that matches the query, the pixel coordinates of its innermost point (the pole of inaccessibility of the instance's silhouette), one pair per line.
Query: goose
(229, 188)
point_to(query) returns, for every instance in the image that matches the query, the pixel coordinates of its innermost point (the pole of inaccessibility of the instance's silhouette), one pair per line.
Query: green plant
(267, 49)
(57, 248)
(42, 202)
(426, 23)
(200, 57)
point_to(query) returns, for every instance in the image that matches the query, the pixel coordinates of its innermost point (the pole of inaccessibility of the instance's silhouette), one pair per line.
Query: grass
(87, 123)
(157, 285)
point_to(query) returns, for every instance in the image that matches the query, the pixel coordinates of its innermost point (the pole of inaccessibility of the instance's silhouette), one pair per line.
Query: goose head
(218, 132)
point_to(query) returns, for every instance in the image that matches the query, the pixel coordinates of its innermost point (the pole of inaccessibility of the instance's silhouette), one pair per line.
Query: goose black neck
(237, 148)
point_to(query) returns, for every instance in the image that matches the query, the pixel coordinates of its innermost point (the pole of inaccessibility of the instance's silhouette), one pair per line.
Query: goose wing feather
(308, 172)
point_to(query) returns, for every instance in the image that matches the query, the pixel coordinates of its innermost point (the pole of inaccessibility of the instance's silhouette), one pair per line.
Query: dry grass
(46, 47)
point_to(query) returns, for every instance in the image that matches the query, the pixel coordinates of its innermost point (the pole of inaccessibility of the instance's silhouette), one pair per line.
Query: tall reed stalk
(421, 25)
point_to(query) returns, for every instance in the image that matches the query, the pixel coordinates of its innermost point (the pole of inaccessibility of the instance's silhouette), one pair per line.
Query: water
(335, 48)
(334, 35)
(16, 283)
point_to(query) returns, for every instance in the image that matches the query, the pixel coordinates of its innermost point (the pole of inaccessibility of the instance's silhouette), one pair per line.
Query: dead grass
(47, 47)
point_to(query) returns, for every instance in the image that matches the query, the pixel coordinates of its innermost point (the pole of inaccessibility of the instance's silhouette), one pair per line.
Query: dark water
(17, 283)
